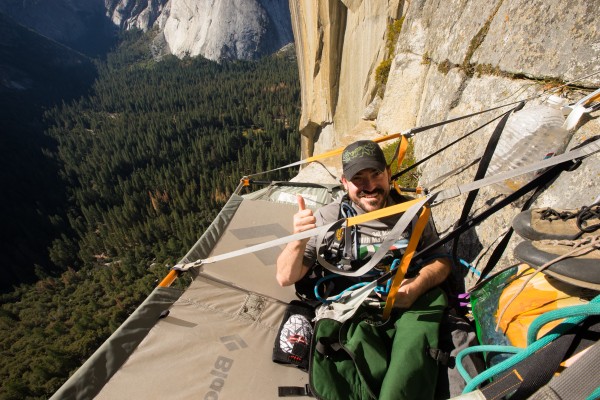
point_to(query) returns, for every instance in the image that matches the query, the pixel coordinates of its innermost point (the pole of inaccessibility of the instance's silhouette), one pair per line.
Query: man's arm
(290, 267)
(431, 275)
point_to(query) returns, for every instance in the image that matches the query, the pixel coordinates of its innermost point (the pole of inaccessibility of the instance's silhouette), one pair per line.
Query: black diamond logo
(233, 342)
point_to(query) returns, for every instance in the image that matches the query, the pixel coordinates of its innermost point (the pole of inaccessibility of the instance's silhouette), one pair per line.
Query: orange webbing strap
(406, 259)
(387, 137)
(341, 149)
(417, 190)
(324, 155)
(402, 147)
(384, 212)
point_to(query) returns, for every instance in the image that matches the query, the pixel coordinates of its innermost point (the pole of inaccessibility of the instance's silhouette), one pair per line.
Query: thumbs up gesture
(304, 218)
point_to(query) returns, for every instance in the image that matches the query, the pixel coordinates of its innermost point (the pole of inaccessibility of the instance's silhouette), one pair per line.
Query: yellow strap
(403, 146)
(384, 212)
(595, 97)
(341, 149)
(402, 150)
(406, 259)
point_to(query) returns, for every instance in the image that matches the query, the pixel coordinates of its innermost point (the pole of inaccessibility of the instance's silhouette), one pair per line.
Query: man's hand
(304, 218)
(431, 275)
(289, 263)
(406, 295)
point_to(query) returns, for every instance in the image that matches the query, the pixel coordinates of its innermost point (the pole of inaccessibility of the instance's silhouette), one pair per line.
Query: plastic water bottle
(530, 135)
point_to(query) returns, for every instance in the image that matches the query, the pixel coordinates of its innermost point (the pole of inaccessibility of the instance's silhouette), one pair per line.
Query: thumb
(301, 205)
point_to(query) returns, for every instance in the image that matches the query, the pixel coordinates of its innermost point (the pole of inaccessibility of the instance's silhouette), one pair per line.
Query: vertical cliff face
(141, 14)
(339, 44)
(234, 29)
(450, 59)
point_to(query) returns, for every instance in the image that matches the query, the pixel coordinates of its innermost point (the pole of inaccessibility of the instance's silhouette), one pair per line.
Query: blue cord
(481, 349)
(338, 296)
(388, 285)
(469, 266)
(446, 255)
(595, 395)
(379, 289)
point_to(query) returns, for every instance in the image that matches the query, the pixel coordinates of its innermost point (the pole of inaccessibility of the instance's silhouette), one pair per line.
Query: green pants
(365, 357)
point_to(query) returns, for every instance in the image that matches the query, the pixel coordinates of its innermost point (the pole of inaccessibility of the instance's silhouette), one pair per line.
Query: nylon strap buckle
(441, 357)
(182, 267)
(294, 391)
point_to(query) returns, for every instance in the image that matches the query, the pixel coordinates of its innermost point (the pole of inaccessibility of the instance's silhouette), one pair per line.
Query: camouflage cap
(361, 155)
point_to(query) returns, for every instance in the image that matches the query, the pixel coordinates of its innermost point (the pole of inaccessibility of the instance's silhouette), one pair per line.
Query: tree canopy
(145, 162)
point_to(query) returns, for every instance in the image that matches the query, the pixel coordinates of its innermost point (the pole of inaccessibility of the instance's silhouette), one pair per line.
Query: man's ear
(345, 182)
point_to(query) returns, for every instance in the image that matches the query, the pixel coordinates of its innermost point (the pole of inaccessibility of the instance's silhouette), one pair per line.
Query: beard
(371, 200)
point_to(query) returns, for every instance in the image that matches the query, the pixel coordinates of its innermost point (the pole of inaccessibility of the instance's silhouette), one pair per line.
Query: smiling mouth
(370, 195)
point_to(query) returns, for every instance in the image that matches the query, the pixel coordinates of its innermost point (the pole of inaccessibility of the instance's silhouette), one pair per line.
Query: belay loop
(345, 246)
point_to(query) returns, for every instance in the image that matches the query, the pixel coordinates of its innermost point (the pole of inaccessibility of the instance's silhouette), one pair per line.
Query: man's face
(369, 188)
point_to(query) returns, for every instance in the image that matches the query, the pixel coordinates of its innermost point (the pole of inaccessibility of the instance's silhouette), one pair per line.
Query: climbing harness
(345, 245)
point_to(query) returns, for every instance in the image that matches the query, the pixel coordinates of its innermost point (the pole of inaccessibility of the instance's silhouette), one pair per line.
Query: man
(366, 178)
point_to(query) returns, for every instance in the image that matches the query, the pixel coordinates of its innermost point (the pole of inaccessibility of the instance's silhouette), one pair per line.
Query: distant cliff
(374, 68)
(215, 29)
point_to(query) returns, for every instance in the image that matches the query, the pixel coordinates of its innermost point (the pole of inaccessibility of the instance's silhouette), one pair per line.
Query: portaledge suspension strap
(406, 134)
(435, 153)
(481, 170)
(412, 210)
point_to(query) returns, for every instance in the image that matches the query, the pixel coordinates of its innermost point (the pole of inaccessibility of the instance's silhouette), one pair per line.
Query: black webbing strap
(531, 373)
(538, 183)
(435, 153)
(481, 170)
(579, 381)
(441, 357)
(536, 370)
(295, 391)
(540, 180)
(328, 346)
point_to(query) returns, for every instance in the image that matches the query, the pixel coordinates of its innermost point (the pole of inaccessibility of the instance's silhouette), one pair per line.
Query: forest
(140, 165)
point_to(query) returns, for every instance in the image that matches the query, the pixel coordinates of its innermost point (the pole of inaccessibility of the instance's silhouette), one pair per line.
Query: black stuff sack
(292, 343)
